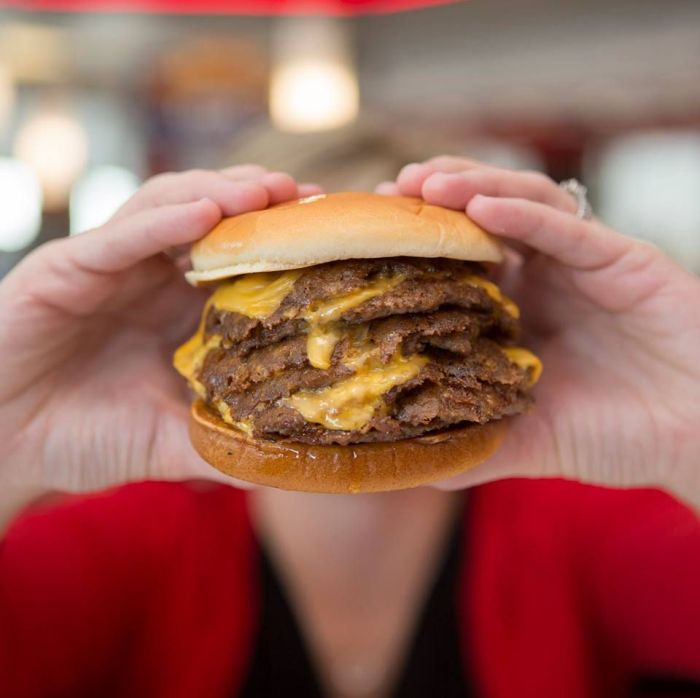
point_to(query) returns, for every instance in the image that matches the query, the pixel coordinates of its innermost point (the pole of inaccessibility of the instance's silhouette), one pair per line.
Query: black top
(434, 665)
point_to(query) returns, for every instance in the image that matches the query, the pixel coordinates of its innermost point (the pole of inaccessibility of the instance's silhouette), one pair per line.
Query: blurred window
(649, 187)
(98, 194)
(20, 204)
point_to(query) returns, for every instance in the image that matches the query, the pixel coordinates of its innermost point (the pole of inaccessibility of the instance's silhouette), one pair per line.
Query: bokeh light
(98, 194)
(54, 144)
(314, 84)
(20, 204)
(649, 185)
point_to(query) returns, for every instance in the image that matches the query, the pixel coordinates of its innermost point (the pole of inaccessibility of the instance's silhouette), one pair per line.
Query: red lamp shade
(233, 7)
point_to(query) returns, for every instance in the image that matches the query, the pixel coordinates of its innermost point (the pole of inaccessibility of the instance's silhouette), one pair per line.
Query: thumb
(175, 457)
(75, 275)
(526, 451)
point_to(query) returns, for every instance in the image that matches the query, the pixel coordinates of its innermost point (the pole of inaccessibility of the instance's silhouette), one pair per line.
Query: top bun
(329, 227)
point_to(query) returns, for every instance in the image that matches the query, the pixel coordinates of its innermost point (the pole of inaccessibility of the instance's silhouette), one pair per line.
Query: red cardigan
(150, 590)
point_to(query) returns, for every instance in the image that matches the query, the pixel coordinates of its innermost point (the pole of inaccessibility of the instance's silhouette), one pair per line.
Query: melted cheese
(246, 426)
(494, 292)
(188, 358)
(361, 352)
(255, 295)
(259, 295)
(324, 333)
(526, 360)
(348, 404)
(332, 308)
(320, 344)
(351, 403)
(224, 410)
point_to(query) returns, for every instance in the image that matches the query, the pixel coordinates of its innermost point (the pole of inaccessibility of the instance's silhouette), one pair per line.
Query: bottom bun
(370, 467)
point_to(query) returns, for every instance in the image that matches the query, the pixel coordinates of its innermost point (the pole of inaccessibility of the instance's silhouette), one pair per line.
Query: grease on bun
(371, 467)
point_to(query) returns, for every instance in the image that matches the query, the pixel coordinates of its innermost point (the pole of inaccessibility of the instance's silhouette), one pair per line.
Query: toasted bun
(328, 227)
(372, 467)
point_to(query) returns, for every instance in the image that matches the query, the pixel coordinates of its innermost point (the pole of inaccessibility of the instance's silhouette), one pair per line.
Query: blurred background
(91, 104)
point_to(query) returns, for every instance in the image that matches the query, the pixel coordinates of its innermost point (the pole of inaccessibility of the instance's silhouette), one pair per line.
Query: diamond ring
(580, 194)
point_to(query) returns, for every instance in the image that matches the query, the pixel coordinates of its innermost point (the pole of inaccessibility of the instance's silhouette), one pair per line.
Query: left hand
(615, 321)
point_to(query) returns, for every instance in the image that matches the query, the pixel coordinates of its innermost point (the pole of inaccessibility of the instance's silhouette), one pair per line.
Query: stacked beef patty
(430, 316)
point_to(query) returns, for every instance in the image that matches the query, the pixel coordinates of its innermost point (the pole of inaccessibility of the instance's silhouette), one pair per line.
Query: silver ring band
(579, 192)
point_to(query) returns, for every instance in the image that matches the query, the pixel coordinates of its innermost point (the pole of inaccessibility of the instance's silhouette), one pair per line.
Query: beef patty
(406, 346)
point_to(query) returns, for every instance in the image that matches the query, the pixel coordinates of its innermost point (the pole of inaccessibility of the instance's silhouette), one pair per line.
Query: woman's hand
(615, 321)
(88, 396)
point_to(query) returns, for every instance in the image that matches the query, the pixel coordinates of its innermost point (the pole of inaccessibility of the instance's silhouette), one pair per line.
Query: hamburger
(352, 344)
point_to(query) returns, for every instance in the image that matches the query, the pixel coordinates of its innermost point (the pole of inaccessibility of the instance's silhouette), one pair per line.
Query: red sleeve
(644, 578)
(579, 591)
(72, 579)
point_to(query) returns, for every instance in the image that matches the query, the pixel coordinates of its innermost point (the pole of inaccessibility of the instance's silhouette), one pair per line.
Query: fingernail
(439, 178)
(276, 176)
(476, 202)
(248, 186)
(208, 208)
(411, 168)
(253, 189)
(456, 176)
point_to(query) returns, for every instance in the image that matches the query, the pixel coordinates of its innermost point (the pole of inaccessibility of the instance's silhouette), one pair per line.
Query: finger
(309, 189)
(509, 269)
(119, 246)
(180, 257)
(453, 163)
(525, 452)
(580, 244)
(247, 171)
(230, 195)
(489, 471)
(78, 274)
(411, 177)
(176, 458)
(387, 188)
(458, 189)
(280, 187)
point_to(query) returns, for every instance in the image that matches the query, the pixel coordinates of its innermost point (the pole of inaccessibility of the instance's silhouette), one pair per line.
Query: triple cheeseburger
(353, 344)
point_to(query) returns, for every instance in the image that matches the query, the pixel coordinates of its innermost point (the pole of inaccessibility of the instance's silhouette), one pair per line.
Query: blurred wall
(556, 85)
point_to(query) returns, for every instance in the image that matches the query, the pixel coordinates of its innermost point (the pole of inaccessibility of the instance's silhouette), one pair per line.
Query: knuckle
(197, 173)
(245, 171)
(165, 180)
(529, 215)
(250, 167)
(44, 253)
(159, 178)
(277, 177)
(538, 178)
(644, 253)
(449, 161)
(51, 247)
(157, 182)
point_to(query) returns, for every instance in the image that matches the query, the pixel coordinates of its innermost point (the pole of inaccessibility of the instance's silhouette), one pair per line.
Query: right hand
(88, 325)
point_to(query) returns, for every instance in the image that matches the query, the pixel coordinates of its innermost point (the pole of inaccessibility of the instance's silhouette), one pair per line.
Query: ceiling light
(314, 82)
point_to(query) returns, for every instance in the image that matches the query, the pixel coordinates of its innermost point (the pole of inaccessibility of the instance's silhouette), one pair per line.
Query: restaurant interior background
(609, 92)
